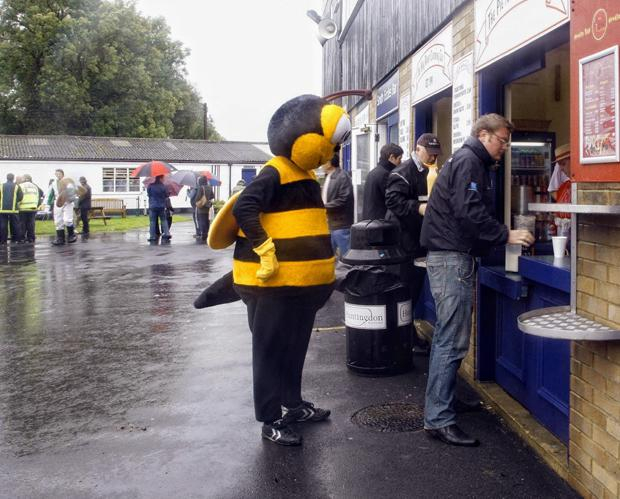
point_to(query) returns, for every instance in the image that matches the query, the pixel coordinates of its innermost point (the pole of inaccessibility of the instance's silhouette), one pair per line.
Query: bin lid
(375, 242)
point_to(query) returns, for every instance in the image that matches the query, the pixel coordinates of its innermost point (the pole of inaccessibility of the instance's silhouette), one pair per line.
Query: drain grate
(393, 417)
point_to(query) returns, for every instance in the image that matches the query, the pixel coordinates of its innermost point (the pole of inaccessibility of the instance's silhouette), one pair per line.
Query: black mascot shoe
(453, 435)
(305, 412)
(280, 433)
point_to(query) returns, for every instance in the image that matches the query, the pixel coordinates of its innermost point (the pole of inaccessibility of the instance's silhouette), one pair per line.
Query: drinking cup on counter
(513, 252)
(527, 222)
(559, 246)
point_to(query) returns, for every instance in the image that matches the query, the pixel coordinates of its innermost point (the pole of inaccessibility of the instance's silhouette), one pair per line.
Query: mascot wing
(223, 230)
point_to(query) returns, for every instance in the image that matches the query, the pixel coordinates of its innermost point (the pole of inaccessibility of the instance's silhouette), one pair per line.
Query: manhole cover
(394, 417)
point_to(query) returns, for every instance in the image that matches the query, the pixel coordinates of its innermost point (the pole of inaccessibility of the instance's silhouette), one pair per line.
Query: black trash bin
(378, 310)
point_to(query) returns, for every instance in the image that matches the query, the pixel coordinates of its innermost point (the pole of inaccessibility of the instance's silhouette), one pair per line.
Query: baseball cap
(430, 142)
(562, 152)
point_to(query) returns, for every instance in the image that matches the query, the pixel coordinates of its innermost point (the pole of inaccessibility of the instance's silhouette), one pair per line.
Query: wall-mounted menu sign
(598, 101)
(431, 66)
(462, 100)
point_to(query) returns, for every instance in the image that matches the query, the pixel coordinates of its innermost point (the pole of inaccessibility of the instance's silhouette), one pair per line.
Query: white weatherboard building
(107, 162)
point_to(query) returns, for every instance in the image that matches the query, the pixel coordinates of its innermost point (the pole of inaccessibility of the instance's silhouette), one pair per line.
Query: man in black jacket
(459, 225)
(376, 181)
(337, 194)
(405, 198)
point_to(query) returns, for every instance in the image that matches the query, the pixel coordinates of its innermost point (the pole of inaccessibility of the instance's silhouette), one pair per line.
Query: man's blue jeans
(452, 276)
(341, 240)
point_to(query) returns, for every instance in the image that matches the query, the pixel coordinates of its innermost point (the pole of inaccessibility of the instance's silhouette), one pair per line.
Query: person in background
(239, 186)
(168, 211)
(85, 204)
(28, 208)
(337, 194)
(10, 196)
(459, 225)
(405, 194)
(561, 173)
(65, 195)
(374, 189)
(157, 194)
(204, 200)
(191, 195)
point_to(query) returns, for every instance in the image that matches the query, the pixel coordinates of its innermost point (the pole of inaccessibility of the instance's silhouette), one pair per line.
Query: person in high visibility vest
(10, 196)
(32, 195)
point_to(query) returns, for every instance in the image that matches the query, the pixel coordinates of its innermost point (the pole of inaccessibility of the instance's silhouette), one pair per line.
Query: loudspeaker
(327, 28)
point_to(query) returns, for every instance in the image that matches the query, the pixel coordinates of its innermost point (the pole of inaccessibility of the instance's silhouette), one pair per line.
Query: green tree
(93, 67)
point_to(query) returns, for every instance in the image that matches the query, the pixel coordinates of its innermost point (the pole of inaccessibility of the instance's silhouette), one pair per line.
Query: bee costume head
(306, 129)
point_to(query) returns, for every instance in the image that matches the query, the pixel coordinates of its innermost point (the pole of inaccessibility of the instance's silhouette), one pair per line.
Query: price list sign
(598, 101)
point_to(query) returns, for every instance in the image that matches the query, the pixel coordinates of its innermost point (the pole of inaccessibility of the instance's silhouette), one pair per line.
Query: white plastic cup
(513, 252)
(559, 246)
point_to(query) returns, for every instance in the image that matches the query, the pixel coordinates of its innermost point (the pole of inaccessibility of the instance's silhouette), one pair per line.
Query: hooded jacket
(460, 213)
(405, 184)
(339, 203)
(374, 191)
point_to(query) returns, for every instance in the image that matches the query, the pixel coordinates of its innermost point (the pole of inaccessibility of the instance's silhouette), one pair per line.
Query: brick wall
(594, 450)
(463, 42)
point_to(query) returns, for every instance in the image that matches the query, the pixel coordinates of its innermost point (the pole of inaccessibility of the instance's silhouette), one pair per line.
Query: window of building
(119, 180)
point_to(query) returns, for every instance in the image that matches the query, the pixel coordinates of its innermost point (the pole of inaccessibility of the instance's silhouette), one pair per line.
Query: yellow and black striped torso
(296, 221)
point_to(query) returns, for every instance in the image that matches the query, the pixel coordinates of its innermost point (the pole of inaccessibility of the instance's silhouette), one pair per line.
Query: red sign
(595, 35)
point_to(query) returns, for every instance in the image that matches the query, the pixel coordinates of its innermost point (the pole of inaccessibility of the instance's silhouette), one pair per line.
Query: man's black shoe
(453, 435)
(280, 433)
(461, 406)
(305, 412)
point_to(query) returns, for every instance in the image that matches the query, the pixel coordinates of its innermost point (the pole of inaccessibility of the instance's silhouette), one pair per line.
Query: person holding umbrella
(204, 200)
(157, 194)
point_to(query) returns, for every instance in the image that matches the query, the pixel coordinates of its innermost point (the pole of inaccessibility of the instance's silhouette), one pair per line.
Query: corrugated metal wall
(382, 34)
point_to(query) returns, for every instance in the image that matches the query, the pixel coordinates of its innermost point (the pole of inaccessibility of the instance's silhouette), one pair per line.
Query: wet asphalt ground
(113, 386)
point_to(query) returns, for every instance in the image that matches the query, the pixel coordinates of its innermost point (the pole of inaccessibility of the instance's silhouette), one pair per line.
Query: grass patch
(115, 224)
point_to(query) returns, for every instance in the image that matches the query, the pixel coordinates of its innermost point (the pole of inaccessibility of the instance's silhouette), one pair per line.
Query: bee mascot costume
(283, 263)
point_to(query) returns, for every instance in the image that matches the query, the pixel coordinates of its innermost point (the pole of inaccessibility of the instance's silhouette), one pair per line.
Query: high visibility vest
(8, 198)
(30, 201)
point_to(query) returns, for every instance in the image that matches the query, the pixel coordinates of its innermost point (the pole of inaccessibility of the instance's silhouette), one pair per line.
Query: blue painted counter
(534, 370)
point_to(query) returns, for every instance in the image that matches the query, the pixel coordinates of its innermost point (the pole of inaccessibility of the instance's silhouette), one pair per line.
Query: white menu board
(462, 100)
(431, 66)
(404, 124)
(505, 26)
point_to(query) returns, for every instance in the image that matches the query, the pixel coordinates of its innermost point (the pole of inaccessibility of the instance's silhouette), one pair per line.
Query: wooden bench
(95, 213)
(110, 206)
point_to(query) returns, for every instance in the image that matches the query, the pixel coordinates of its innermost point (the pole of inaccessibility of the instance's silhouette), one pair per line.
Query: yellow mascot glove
(268, 261)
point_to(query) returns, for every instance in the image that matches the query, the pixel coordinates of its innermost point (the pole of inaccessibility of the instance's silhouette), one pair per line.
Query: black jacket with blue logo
(460, 215)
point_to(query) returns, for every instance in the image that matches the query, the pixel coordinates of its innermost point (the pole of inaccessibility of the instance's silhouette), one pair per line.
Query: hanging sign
(404, 125)
(462, 100)
(387, 97)
(503, 26)
(431, 66)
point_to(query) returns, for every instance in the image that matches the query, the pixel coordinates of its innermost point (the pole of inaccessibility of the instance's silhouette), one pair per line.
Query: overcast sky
(247, 56)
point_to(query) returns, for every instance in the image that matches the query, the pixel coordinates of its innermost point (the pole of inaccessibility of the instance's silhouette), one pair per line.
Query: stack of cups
(559, 246)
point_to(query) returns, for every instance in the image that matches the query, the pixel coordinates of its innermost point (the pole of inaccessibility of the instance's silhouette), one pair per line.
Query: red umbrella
(172, 187)
(212, 180)
(153, 169)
